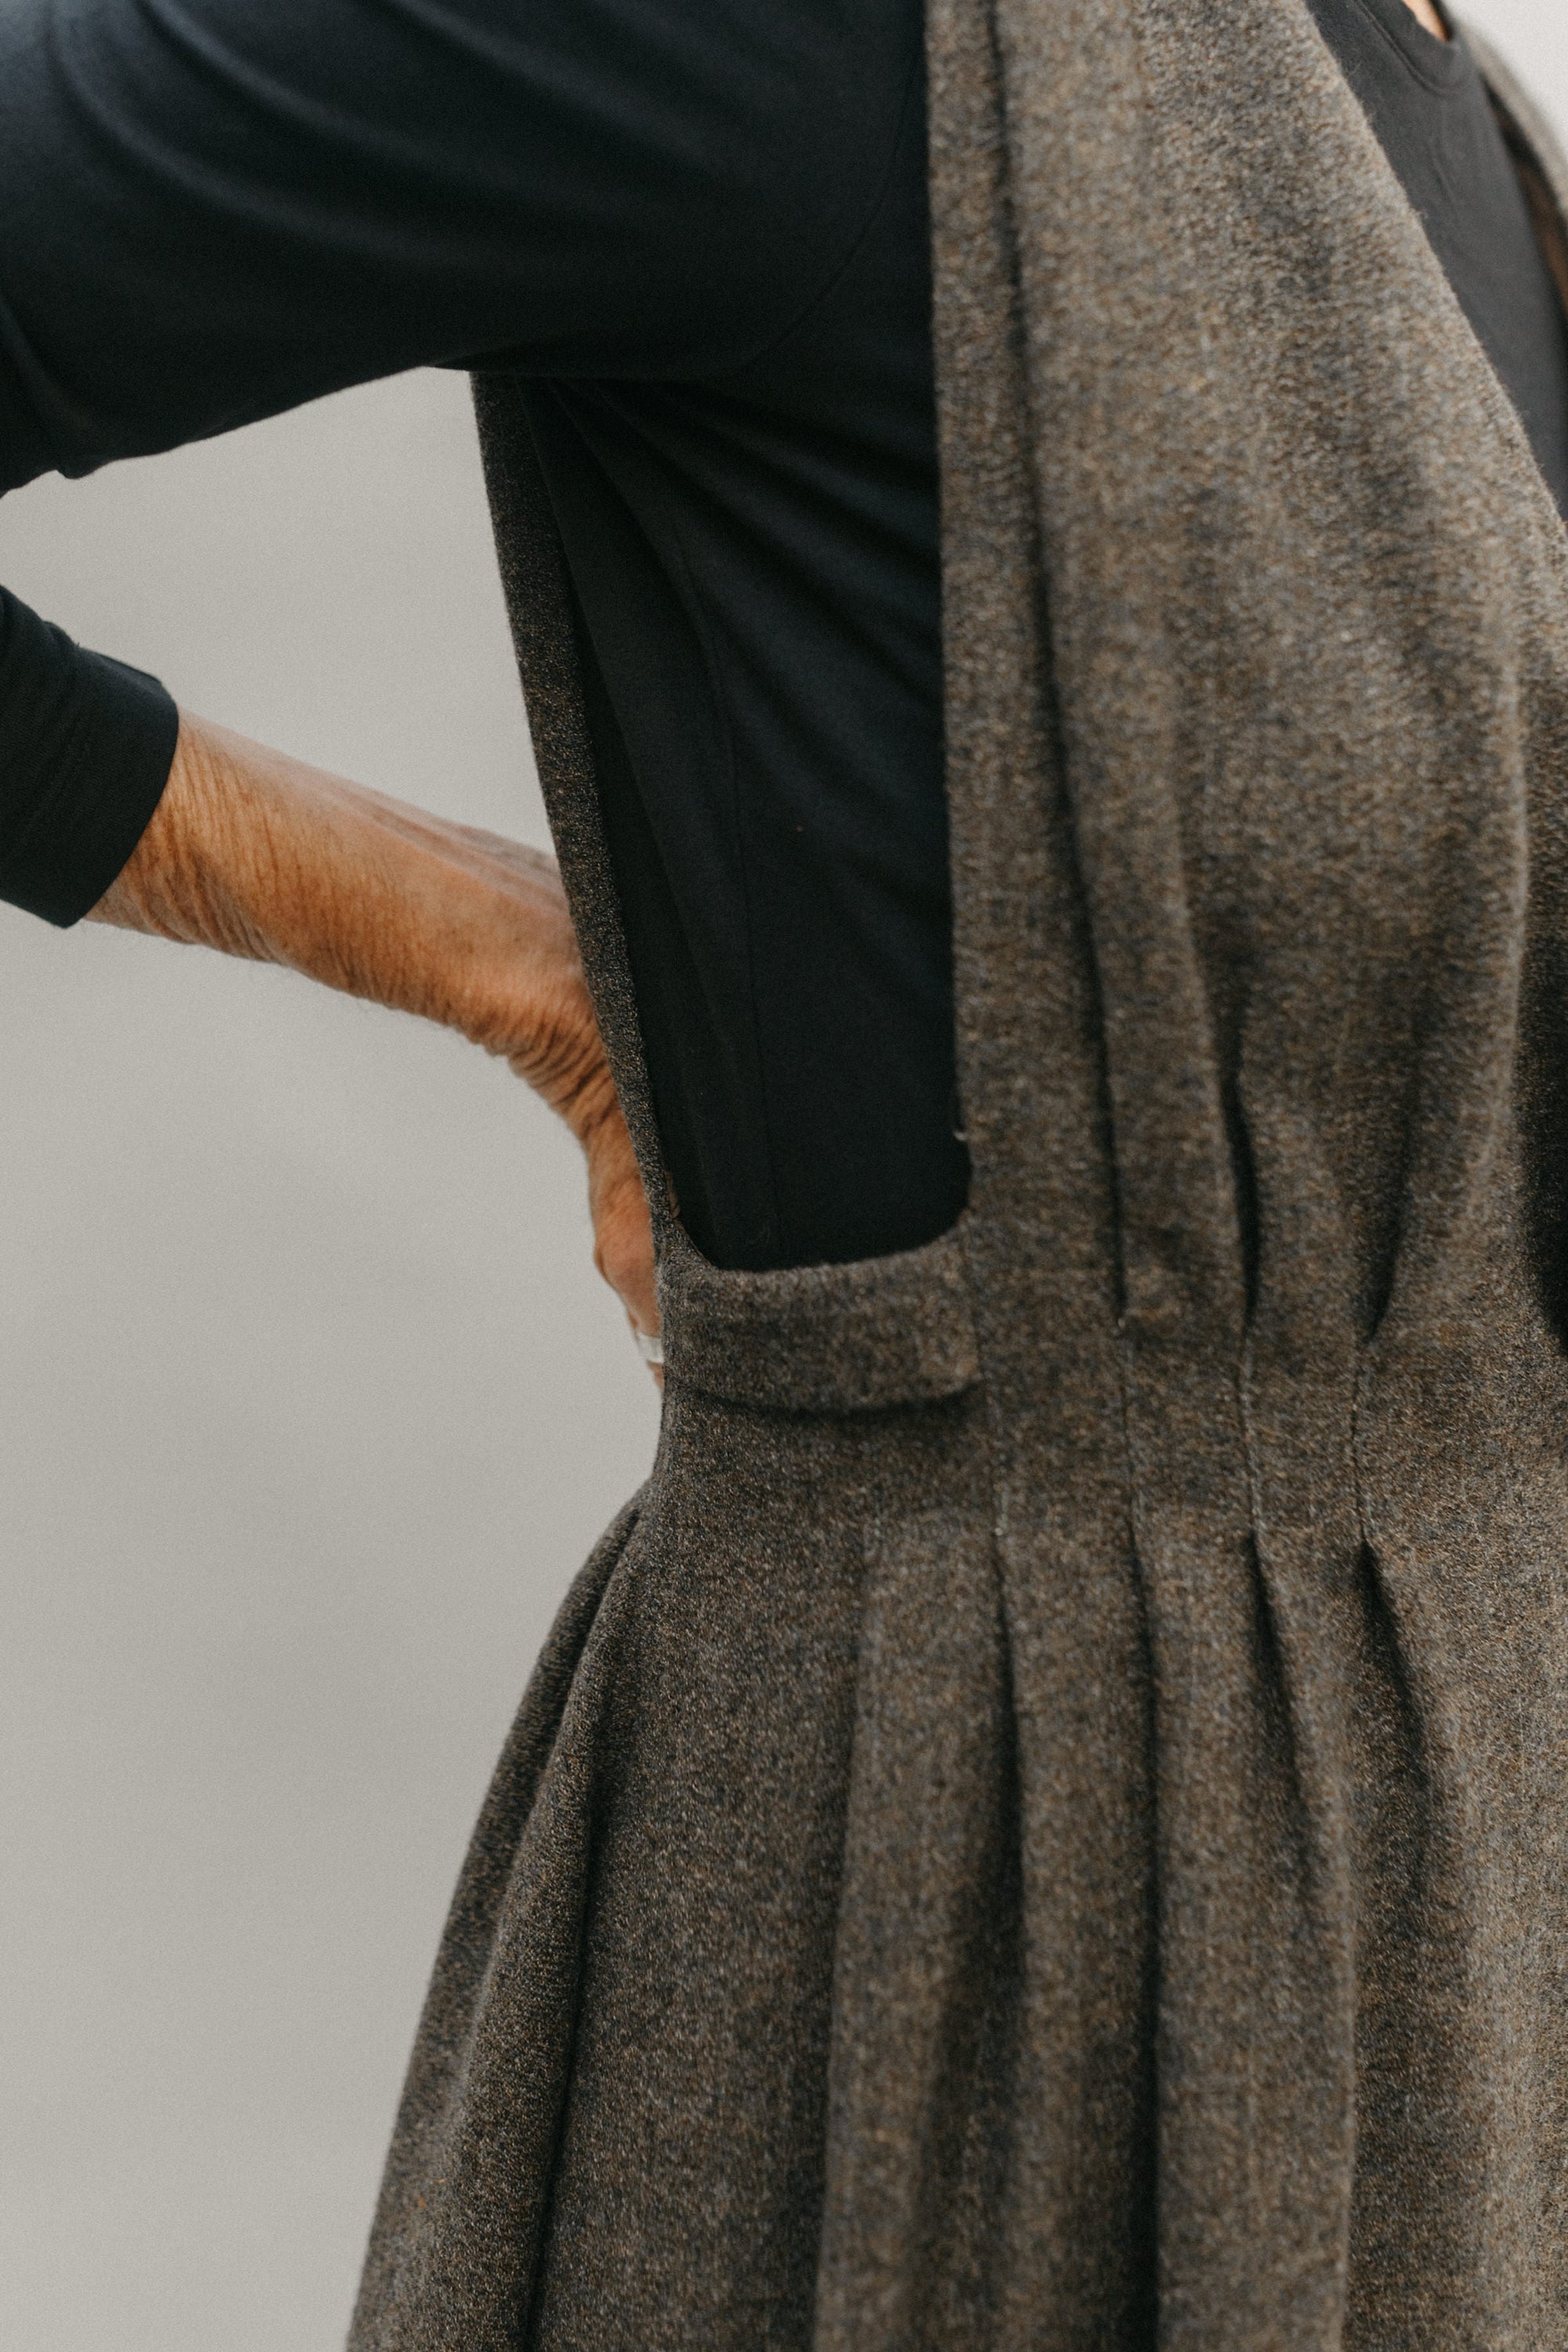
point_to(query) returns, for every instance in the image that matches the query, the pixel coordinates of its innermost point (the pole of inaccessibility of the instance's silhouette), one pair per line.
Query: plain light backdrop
(310, 1405)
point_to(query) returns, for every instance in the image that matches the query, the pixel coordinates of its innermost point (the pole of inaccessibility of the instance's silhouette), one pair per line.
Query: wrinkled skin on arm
(261, 856)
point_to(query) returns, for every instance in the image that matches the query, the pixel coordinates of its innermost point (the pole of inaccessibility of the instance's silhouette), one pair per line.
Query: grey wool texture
(1045, 1826)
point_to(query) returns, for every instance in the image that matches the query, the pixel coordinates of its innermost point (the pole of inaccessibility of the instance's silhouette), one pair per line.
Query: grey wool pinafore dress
(1045, 1825)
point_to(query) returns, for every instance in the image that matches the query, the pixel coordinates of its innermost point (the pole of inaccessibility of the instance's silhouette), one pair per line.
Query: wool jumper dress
(1045, 1825)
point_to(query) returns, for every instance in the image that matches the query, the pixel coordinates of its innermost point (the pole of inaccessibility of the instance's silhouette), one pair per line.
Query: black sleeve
(85, 742)
(85, 748)
(212, 210)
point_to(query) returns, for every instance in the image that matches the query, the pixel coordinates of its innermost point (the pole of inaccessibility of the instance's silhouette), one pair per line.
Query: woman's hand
(562, 1058)
(260, 855)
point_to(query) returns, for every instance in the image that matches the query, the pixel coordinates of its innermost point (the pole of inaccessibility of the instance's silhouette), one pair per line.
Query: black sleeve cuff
(24, 452)
(86, 746)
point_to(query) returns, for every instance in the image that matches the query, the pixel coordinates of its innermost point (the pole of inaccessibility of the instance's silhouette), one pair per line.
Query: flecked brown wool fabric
(1045, 1825)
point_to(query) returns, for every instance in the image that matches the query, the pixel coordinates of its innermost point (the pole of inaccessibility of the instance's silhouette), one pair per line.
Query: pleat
(923, 2074)
(455, 2242)
(1076, 2214)
(686, 2198)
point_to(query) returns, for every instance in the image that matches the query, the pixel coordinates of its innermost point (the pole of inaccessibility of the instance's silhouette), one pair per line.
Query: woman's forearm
(261, 856)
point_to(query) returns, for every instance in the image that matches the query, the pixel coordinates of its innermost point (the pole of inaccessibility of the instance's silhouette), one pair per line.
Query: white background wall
(310, 1405)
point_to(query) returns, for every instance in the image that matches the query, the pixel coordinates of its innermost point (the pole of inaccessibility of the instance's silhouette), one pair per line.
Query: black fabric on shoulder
(213, 211)
(1430, 107)
(95, 739)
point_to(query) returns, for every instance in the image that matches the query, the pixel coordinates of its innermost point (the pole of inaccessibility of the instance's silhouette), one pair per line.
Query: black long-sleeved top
(699, 233)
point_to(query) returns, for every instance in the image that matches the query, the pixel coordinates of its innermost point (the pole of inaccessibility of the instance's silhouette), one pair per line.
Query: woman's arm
(259, 855)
